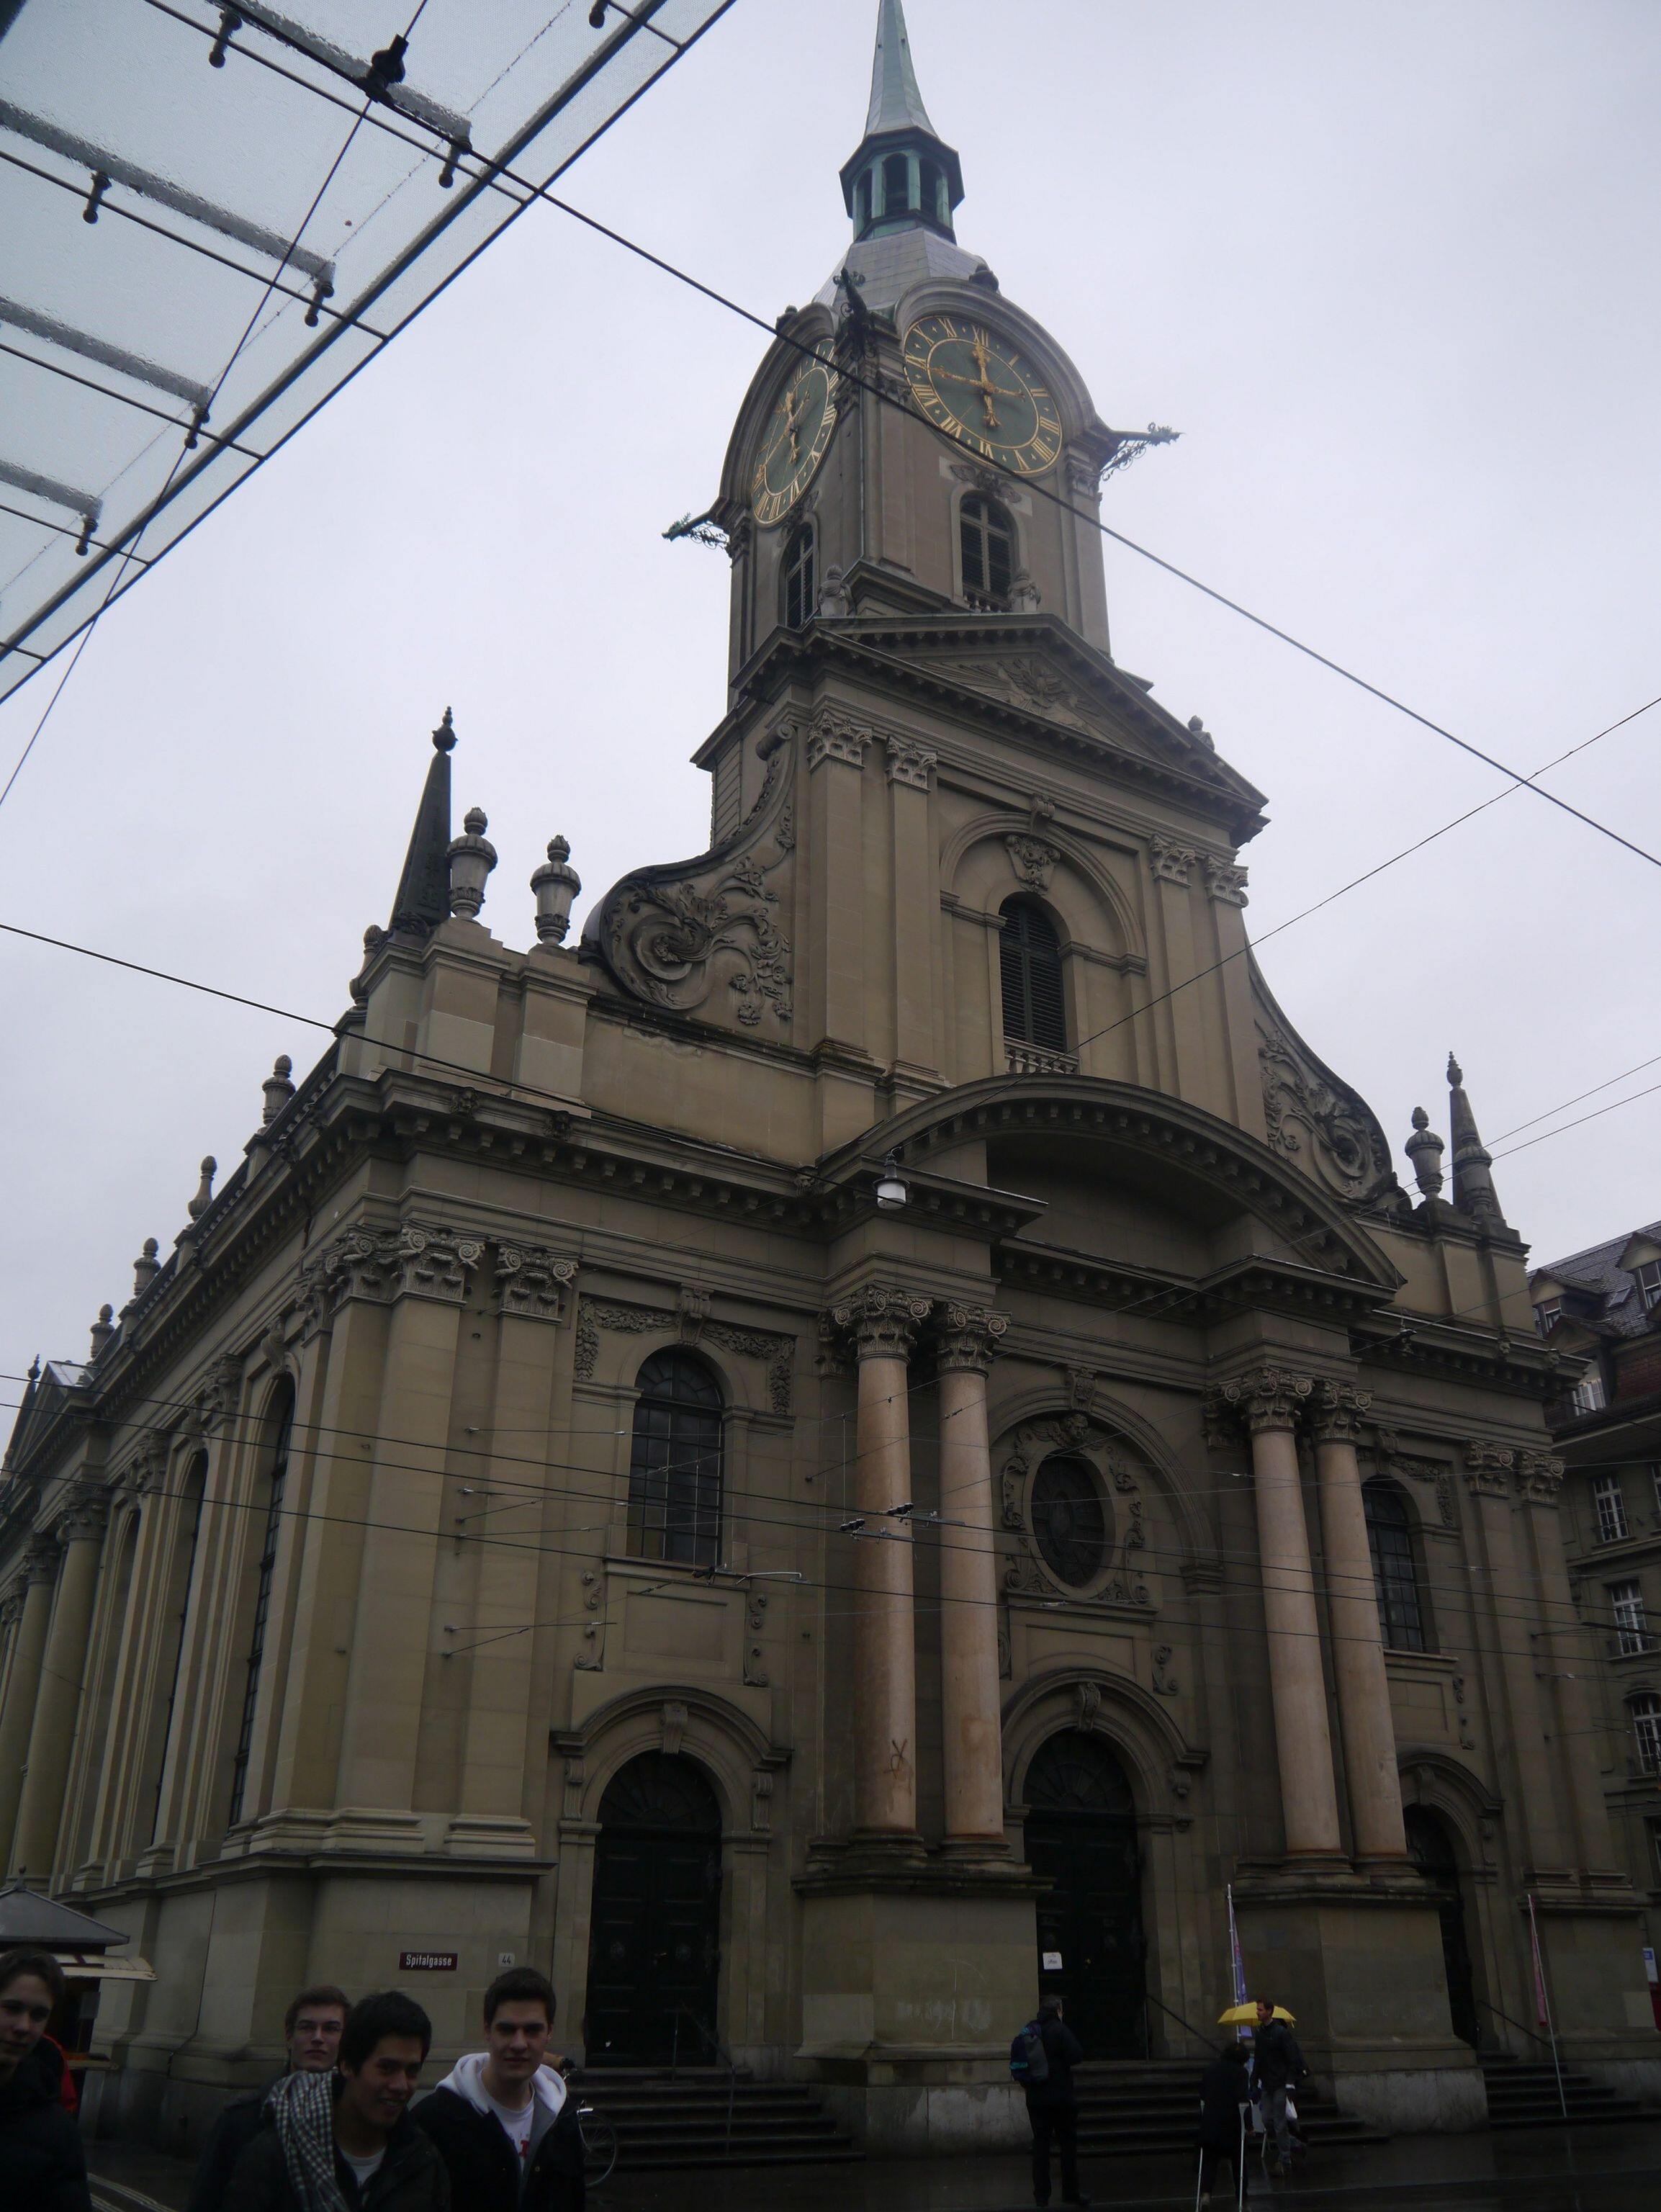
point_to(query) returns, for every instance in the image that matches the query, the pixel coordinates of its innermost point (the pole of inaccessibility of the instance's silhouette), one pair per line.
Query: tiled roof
(1594, 1270)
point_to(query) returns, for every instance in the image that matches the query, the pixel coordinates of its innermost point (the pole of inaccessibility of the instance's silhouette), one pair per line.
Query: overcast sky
(1390, 269)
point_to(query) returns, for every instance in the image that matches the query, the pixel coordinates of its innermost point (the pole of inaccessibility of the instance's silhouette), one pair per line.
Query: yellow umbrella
(1246, 2015)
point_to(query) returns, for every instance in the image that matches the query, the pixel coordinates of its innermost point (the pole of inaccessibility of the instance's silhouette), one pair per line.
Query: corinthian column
(1268, 1402)
(23, 1685)
(974, 1742)
(1358, 1664)
(884, 1324)
(59, 1703)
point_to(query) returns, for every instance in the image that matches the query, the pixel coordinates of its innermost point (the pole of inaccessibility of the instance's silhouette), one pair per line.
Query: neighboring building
(837, 1452)
(1604, 1307)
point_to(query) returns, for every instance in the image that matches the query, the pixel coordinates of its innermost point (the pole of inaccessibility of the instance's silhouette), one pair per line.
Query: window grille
(675, 1466)
(987, 536)
(1627, 1601)
(1611, 1504)
(268, 1559)
(1646, 1709)
(1029, 965)
(1395, 1569)
(798, 578)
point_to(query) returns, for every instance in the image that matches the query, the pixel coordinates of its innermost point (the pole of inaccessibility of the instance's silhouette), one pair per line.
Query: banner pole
(1543, 2001)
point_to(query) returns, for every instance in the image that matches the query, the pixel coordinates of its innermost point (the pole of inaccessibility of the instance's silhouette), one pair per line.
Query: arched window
(799, 577)
(1068, 1520)
(280, 1422)
(862, 203)
(675, 1469)
(931, 193)
(181, 1582)
(1030, 963)
(987, 537)
(1645, 1707)
(896, 185)
(1395, 1569)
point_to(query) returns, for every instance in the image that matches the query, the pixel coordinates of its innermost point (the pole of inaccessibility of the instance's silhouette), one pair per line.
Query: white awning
(88, 1967)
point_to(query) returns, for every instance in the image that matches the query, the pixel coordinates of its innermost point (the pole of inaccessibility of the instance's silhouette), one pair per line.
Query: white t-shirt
(516, 2125)
(365, 2169)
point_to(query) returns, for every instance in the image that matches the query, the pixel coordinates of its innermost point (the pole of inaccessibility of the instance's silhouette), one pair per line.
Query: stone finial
(471, 857)
(444, 738)
(1425, 1149)
(146, 1268)
(277, 1089)
(1473, 1181)
(102, 1330)
(204, 1190)
(555, 884)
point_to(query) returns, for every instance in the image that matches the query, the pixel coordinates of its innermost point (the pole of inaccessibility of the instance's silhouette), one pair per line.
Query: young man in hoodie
(501, 2120)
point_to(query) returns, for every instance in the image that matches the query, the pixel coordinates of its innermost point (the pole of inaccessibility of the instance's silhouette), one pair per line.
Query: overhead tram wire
(492, 174)
(136, 529)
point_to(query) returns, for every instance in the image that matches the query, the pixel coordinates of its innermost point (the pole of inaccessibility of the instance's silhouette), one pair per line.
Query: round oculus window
(1068, 1519)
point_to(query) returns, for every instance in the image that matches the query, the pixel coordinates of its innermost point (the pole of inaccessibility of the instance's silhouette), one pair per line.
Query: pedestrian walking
(1042, 2058)
(502, 2120)
(1277, 2067)
(345, 2142)
(1225, 2093)
(312, 2028)
(42, 2166)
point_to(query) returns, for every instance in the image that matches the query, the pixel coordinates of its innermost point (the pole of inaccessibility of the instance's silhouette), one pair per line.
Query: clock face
(794, 441)
(974, 386)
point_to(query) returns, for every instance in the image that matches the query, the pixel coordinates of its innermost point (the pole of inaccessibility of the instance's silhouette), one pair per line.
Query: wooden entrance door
(654, 1944)
(1082, 1836)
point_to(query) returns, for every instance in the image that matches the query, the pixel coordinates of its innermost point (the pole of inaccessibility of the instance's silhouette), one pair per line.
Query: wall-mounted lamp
(891, 1191)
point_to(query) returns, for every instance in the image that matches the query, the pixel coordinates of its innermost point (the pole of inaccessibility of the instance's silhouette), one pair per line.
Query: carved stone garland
(1025, 1575)
(669, 935)
(594, 1315)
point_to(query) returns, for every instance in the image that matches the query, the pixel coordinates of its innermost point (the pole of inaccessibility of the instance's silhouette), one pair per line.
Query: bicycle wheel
(599, 2145)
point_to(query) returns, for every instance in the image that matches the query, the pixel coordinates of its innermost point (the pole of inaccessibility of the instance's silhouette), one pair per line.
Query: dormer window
(1648, 1279)
(797, 574)
(986, 537)
(1547, 1315)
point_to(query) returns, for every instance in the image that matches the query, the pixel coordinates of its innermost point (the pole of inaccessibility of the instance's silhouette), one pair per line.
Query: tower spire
(903, 176)
(1473, 1180)
(423, 899)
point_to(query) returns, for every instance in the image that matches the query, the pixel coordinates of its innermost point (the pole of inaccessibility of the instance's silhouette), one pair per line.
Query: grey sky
(1390, 271)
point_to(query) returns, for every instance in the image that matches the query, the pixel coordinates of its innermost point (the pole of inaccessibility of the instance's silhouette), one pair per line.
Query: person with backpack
(1277, 2068)
(1041, 2058)
(502, 2119)
(1225, 2091)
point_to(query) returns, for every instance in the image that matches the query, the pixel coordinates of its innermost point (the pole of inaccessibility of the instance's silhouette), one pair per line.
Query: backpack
(1029, 2061)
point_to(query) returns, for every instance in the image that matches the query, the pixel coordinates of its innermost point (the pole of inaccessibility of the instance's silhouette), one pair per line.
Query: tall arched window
(1645, 1707)
(675, 1467)
(181, 1582)
(280, 1420)
(1029, 962)
(1395, 1569)
(799, 577)
(987, 536)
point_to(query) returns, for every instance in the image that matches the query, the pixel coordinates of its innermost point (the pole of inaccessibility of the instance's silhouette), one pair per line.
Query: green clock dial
(794, 441)
(975, 387)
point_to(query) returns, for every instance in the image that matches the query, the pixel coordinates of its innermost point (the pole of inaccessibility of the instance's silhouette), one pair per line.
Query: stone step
(1522, 2093)
(703, 2117)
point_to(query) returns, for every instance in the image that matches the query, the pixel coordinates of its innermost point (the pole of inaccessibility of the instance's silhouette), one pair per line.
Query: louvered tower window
(987, 538)
(799, 577)
(1030, 960)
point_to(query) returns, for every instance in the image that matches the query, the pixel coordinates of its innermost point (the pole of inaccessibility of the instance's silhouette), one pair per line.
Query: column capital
(1266, 1398)
(970, 1339)
(83, 1517)
(1489, 1469)
(1336, 1411)
(1540, 1475)
(40, 1561)
(882, 1322)
(531, 1281)
(11, 1608)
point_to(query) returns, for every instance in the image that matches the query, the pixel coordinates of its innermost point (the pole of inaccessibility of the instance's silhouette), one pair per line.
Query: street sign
(426, 1962)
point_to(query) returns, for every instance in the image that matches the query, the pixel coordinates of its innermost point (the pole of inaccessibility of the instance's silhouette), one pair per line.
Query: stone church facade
(866, 1439)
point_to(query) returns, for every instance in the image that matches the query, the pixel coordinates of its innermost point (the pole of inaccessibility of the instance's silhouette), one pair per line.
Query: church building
(875, 1438)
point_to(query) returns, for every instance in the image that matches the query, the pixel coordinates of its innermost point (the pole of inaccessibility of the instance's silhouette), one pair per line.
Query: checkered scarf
(302, 2109)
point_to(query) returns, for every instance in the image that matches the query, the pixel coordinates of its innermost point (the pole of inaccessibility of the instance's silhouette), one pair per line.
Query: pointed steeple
(904, 176)
(423, 899)
(1473, 1181)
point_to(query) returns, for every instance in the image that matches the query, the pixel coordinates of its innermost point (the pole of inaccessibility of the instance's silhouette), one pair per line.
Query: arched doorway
(1431, 1848)
(654, 1942)
(1082, 1837)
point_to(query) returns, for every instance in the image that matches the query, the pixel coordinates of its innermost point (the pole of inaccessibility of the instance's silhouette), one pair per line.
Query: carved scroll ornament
(1320, 1122)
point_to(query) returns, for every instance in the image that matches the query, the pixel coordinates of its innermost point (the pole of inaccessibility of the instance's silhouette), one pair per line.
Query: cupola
(904, 176)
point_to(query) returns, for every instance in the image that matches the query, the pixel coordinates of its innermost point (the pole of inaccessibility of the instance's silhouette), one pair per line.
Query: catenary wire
(493, 172)
(1605, 1085)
